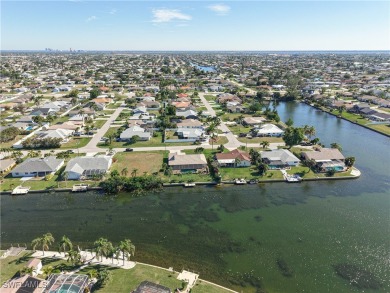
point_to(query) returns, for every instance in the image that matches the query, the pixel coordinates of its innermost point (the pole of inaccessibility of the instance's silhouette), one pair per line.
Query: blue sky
(195, 25)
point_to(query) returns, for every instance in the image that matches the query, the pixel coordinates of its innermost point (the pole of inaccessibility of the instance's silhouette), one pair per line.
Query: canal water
(279, 237)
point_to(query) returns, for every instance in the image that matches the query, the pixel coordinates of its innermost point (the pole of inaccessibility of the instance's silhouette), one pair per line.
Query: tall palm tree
(101, 247)
(127, 249)
(124, 171)
(237, 161)
(65, 244)
(45, 241)
(74, 257)
(264, 144)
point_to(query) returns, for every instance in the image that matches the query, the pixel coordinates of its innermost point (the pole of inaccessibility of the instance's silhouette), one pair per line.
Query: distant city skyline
(192, 26)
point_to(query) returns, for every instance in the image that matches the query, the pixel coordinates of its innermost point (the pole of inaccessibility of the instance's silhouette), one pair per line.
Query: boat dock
(189, 184)
(18, 190)
(80, 187)
(291, 178)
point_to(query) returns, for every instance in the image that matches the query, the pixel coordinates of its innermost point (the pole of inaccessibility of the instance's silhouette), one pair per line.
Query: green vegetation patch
(357, 276)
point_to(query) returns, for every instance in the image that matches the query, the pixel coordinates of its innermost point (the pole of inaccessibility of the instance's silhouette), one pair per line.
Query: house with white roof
(279, 159)
(87, 167)
(135, 130)
(269, 130)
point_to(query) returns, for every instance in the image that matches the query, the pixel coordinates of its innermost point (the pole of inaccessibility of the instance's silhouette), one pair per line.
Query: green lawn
(76, 142)
(237, 129)
(352, 117)
(150, 162)
(219, 140)
(99, 123)
(260, 139)
(384, 128)
(154, 141)
(113, 106)
(248, 173)
(10, 143)
(12, 264)
(232, 116)
(210, 97)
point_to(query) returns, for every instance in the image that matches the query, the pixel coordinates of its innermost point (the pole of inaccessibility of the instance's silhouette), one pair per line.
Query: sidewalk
(89, 258)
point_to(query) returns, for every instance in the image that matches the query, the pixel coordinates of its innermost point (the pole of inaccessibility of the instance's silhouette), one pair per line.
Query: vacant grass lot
(10, 143)
(384, 128)
(153, 142)
(210, 97)
(150, 162)
(260, 139)
(76, 142)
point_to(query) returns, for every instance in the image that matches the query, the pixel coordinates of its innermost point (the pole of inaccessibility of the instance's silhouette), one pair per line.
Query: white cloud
(91, 18)
(168, 15)
(113, 11)
(220, 9)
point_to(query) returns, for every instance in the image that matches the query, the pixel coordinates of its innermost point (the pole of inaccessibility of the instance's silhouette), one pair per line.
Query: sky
(195, 25)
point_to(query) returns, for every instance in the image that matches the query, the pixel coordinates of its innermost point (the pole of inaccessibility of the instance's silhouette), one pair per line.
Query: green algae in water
(357, 276)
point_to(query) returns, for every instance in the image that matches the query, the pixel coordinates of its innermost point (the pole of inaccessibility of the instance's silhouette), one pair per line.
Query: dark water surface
(279, 237)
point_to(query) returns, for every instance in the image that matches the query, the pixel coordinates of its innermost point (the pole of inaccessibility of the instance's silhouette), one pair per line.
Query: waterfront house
(235, 158)
(183, 163)
(38, 167)
(36, 265)
(252, 121)
(279, 159)
(268, 130)
(326, 159)
(87, 167)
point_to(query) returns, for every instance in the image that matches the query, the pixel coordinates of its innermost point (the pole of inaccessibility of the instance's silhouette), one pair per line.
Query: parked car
(128, 150)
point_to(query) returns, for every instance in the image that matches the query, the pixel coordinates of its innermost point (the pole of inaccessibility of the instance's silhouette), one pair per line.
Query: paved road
(91, 147)
(233, 142)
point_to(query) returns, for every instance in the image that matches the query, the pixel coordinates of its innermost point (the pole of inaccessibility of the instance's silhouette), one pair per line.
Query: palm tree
(26, 271)
(212, 139)
(47, 270)
(45, 241)
(74, 257)
(309, 131)
(65, 244)
(124, 171)
(264, 144)
(92, 274)
(101, 247)
(335, 145)
(127, 249)
(134, 172)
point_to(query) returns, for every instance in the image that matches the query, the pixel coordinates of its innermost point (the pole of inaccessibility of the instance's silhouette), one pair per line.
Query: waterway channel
(241, 236)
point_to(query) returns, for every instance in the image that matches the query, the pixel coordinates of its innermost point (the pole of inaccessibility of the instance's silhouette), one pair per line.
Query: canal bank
(238, 236)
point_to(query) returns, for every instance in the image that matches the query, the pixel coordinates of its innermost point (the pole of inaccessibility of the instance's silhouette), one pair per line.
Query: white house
(87, 167)
(269, 130)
